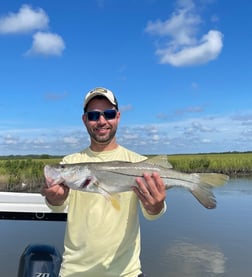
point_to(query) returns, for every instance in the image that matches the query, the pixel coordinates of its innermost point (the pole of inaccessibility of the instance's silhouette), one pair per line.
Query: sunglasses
(95, 115)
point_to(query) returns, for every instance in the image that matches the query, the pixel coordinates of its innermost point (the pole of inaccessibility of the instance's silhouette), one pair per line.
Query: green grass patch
(228, 163)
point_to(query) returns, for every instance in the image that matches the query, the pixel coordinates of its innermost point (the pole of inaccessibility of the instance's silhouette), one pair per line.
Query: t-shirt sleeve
(58, 209)
(152, 216)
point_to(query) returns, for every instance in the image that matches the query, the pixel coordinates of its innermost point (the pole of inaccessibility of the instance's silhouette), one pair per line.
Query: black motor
(39, 261)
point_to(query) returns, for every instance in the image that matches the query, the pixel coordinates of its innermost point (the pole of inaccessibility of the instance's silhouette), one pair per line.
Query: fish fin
(115, 202)
(213, 179)
(110, 197)
(202, 188)
(204, 195)
(161, 160)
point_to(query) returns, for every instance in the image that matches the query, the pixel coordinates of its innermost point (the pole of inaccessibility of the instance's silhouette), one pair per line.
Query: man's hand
(151, 191)
(56, 194)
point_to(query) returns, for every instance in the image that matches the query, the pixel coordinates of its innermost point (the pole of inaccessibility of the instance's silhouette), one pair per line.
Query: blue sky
(181, 71)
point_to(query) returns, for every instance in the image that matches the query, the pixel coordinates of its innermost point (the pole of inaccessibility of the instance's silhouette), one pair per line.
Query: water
(192, 241)
(188, 240)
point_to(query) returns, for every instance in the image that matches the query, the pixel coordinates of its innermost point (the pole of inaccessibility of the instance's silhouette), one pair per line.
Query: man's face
(102, 130)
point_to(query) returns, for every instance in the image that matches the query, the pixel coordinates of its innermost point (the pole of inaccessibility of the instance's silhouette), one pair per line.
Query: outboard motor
(39, 261)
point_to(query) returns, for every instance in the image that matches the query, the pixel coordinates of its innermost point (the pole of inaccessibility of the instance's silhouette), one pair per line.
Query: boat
(37, 260)
(27, 206)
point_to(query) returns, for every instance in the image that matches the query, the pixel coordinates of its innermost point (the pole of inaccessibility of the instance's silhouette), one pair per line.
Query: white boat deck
(22, 202)
(17, 205)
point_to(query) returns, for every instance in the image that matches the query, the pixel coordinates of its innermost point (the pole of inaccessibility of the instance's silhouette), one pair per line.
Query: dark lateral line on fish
(171, 178)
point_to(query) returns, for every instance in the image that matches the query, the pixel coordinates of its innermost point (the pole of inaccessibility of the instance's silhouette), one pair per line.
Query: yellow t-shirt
(101, 241)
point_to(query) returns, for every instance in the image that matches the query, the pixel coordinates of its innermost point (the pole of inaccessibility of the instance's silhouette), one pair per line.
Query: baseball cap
(100, 91)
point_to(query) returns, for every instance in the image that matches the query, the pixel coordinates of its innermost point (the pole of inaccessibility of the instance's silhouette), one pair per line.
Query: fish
(111, 178)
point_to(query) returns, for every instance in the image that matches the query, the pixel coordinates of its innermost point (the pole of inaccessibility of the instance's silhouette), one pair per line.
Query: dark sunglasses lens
(93, 116)
(110, 114)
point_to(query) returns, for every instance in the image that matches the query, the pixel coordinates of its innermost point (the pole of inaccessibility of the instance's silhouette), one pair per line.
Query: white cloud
(179, 44)
(207, 49)
(46, 44)
(70, 140)
(10, 140)
(191, 135)
(33, 20)
(25, 20)
(181, 27)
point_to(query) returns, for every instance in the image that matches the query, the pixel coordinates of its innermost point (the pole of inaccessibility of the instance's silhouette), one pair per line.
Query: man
(101, 241)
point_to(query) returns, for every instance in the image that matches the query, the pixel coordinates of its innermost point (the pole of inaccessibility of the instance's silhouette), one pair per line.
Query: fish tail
(204, 195)
(202, 188)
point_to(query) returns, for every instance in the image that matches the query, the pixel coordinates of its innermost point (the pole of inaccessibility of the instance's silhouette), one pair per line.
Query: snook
(108, 178)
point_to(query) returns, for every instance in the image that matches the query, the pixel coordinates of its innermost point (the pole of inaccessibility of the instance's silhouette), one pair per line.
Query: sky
(181, 71)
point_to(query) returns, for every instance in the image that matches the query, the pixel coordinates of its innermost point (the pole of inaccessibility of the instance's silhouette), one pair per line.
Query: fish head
(52, 175)
(75, 177)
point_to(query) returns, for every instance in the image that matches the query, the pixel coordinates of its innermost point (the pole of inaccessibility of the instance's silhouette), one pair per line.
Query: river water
(188, 241)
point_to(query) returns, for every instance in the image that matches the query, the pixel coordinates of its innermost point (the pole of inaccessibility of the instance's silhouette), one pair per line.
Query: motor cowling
(39, 261)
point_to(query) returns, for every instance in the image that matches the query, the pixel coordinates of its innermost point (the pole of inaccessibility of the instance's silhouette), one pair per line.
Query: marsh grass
(233, 164)
(23, 175)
